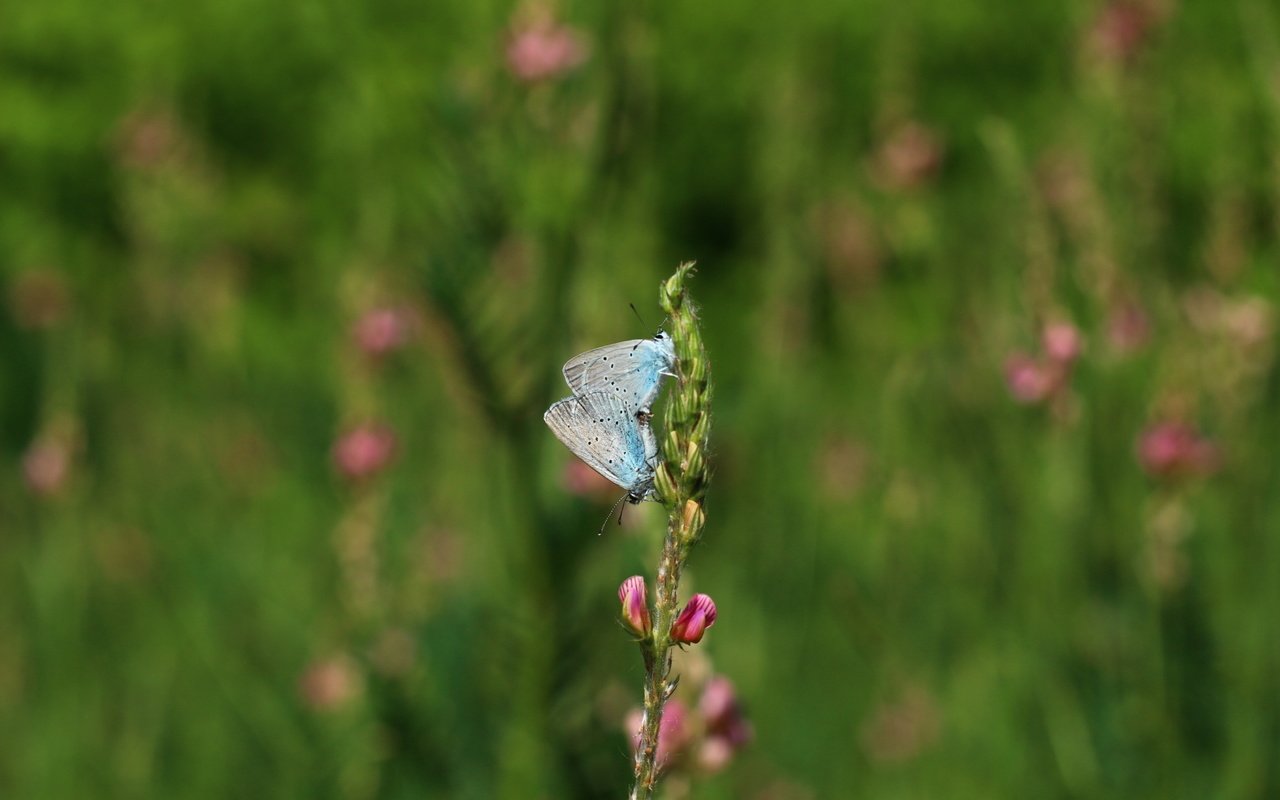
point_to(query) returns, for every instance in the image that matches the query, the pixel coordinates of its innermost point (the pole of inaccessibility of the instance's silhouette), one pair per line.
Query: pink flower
(673, 731)
(727, 730)
(1128, 328)
(909, 158)
(148, 138)
(1120, 30)
(584, 481)
(364, 451)
(635, 605)
(380, 331)
(329, 684)
(543, 49)
(715, 754)
(39, 299)
(45, 466)
(1174, 449)
(901, 729)
(852, 245)
(1062, 342)
(698, 615)
(1029, 380)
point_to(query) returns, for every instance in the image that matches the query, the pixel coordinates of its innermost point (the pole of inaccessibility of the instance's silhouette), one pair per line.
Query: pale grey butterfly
(632, 370)
(611, 436)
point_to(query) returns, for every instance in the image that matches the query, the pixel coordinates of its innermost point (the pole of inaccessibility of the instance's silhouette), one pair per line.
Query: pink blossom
(584, 481)
(909, 158)
(715, 753)
(1062, 342)
(1128, 328)
(727, 730)
(364, 451)
(380, 331)
(1174, 449)
(698, 615)
(544, 49)
(46, 465)
(852, 245)
(329, 683)
(901, 729)
(635, 605)
(39, 299)
(673, 731)
(1029, 380)
(148, 138)
(1120, 30)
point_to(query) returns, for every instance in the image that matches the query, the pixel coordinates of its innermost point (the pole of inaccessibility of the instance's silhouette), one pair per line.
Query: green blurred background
(988, 291)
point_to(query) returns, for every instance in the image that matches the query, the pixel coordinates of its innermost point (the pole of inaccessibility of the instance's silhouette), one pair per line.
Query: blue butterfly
(611, 436)
(632, 370)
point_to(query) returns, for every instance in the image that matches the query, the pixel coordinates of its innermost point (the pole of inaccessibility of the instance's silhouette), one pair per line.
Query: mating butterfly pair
(606, 422)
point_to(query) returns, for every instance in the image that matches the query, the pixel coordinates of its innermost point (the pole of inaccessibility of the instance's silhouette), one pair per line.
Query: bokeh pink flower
(39, 299)
(726, 728)
(148, 138)
(673, 732)
(364, 451)
(381, 331)
(900, 729)
(330, 683)
(1035, 379)
(909, 157)
(1029, 380)
(584, 481)
(46, 466)
(1128, 327)
(1121, 28)
(542, 49)
(1062, 342)
(1177, 450)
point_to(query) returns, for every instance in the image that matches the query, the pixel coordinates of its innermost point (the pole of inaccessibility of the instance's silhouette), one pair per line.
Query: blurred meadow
(990, 296)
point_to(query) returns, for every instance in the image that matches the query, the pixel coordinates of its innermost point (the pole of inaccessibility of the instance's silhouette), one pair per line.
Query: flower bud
(635, 605)
(698, 615)
(693, 516)
(664, 482)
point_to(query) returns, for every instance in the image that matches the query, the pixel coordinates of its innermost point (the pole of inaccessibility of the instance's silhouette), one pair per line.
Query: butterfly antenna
(637, 313)
(606, 519)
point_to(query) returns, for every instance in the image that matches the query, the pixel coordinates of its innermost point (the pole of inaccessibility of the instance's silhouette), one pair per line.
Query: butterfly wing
(602, 430)
(631, 370)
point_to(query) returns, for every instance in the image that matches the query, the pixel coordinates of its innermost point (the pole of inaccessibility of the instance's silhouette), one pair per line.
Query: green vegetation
(287, 286)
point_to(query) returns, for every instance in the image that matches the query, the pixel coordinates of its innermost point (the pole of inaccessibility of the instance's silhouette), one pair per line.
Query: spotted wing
(602, 430)
(631, 370)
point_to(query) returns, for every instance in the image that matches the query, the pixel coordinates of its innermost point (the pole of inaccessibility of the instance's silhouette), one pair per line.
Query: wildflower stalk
(681, 482)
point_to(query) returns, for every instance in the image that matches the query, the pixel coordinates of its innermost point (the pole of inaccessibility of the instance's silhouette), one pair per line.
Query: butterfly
(611, 436)
(632, 370)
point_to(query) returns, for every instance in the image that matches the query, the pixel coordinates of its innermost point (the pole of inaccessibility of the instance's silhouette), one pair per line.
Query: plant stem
(681, 482)
(657, 668)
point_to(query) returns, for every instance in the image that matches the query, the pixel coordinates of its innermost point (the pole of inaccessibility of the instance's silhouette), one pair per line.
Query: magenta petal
(635, 606)
(698, 615)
